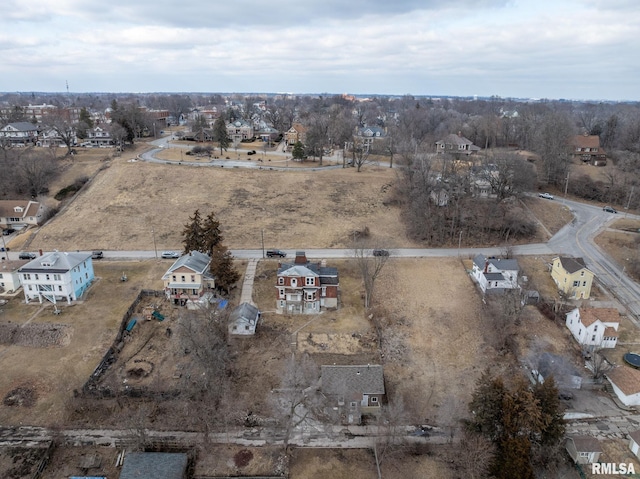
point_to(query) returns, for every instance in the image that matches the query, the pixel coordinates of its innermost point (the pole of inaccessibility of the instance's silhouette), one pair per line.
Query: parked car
(272, 253)
(380, 252)
(170, 254)
(2, 248)
(609, 209)
(8, 231)
(546, 196)
(25, 255)
(97, 255)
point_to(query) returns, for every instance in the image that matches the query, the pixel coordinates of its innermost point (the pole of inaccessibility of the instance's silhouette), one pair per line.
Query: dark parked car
(97, 255)
(25, 255)
(2, 248)
(272, 253)
(609, 209)
(380, 252)
(8, 231)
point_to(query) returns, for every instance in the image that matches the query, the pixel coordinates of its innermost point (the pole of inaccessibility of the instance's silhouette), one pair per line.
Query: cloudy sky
(576, 49)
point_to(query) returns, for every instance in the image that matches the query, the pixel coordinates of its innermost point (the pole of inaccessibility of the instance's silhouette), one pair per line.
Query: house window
(182, 278)
(294, 283)
(36, 276)
(311, 281)
(374, 400)
(47, 276)
(324, 291)
(280, 280)
(282, 303)
(27, 277)
(86, 275)
(59, 288)
(584, 283)
(581, 273)
(281, 292)
(30, 288)
(593, 338)
(595, 328)
(193, 278)
(174, 277)
(354, 404)
(576, 284)
(584, 454)
(56, 277)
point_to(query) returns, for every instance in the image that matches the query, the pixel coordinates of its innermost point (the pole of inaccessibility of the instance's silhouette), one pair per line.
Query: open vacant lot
(312, 208)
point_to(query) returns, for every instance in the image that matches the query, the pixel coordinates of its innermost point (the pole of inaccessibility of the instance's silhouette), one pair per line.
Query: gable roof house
(596, 327)
(57, 276)
(587, 149)
(243, 320)
(296, 133)
(634, 443)
(239, 130)
(572, 277)
(456, 145)
(583, 449)
(188, 278)
(368, 134)
(495, 275)
(306, 288)
(625, 382)
(99, 137)
(9, 277)
(21, 133)
(18, 214)
(353, 390)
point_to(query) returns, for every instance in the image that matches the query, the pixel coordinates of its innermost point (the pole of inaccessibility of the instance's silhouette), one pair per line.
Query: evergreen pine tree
(211, 235)
(220, 134)
(222, 267)
(192, 235)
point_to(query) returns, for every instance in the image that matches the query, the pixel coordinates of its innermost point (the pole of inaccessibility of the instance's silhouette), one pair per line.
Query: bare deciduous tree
(370, 267)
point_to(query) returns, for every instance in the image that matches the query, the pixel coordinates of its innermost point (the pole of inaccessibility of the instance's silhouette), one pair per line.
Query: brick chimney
(301, 258)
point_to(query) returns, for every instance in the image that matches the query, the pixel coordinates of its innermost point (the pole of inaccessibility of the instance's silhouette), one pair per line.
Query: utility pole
(262, 243)
(566, 187)
(155, 248)
(626, 210)
(459, 242)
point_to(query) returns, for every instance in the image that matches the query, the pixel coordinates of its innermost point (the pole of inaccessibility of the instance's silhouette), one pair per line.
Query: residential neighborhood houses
(311, 294)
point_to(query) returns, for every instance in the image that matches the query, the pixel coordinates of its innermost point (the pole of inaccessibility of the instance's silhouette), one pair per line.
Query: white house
(596, 327)
(634, 443)
(57, 276)
(495, 275)
(9, 277)
(21, 133)
(583, 449)
(243, 320)
(625, 381)
(20, 213)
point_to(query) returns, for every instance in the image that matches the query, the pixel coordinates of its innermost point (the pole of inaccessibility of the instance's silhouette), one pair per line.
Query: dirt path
(247, 284)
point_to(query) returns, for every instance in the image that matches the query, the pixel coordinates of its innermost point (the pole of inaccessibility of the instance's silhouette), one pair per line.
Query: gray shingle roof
(571, 265)
(501, 264)
(246, 312)
(55, 262)
(154, 465)
(195, 261)
(342, 380)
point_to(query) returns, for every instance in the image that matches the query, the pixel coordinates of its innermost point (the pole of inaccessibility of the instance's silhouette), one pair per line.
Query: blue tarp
(222, 303)
(131, 324)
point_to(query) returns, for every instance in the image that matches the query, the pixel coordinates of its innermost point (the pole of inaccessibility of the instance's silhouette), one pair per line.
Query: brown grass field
(311, 208)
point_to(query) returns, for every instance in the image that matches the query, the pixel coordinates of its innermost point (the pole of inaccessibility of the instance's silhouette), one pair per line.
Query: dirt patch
(242, 458)
(552, 214)
(36, 335)
(23, 396)
(354, 343)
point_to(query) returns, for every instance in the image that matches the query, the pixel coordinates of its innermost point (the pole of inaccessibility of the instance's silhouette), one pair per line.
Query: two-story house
(368, 134)
(239, 130)
(188, 278)
(9, 277)
(495, 275)
(456, 145)
(17, 214)
(296, 133)
(597, 327)
(572, 277)
(354, 390)
(21, 133)
(587, 149)
(99, 137)
(306, 288)
(57, 277)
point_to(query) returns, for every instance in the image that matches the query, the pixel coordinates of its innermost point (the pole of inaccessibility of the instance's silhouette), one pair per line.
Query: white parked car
(170, 254)
(546, 196)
